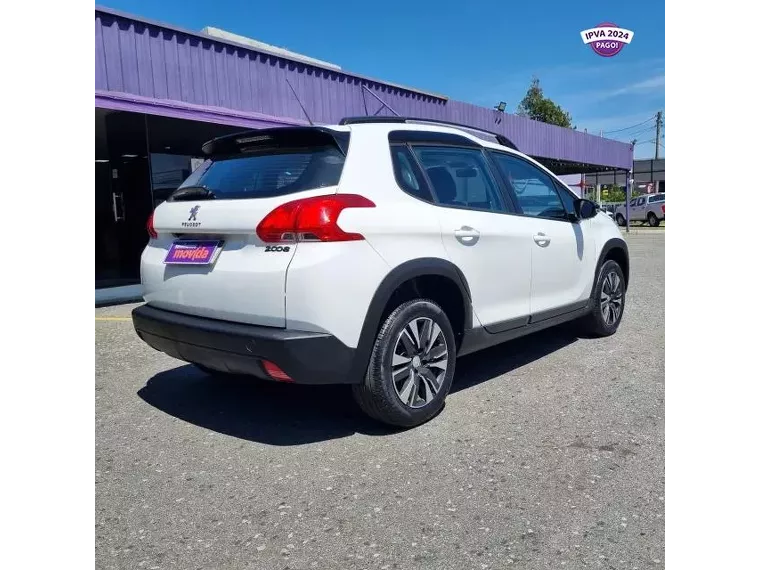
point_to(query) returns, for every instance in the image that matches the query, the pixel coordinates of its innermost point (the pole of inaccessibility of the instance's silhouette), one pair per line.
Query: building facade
(161, 91)
(648, 176)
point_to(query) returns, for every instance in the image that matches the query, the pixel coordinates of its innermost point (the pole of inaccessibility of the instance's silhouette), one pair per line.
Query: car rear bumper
(306, 357)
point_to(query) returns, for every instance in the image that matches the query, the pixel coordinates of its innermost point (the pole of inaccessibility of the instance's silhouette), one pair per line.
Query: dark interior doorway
(139, 160)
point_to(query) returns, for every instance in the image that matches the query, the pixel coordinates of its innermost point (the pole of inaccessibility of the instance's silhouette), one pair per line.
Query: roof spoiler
(276, 138)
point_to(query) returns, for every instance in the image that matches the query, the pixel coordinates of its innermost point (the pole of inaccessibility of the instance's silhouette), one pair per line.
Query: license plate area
(193, 252)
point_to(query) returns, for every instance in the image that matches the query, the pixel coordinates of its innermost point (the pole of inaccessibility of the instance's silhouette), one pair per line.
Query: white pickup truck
(649, 208)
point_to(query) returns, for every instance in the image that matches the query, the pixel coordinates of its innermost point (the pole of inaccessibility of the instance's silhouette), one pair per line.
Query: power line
(641, 132)
(633, 126)
(638, 133)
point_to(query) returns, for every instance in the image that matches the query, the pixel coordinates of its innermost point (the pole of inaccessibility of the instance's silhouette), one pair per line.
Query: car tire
(653, 220)
(411, 367)
(620, 220)
(607, 301)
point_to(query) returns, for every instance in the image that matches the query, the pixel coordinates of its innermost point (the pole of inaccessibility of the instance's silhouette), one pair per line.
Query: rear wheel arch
(433, 278)
(617, 250)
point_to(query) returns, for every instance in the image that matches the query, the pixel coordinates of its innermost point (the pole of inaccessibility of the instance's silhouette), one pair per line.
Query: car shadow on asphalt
(287, 414)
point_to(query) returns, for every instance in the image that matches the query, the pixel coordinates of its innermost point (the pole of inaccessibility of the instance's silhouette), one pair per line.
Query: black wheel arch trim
(397, 277)
(614, 243)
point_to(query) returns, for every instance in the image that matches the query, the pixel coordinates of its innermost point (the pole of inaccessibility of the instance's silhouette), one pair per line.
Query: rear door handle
(467, 235)
(541, 239)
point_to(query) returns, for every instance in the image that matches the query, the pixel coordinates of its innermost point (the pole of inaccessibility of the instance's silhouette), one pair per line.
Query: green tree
(540, 108)
(614, 194)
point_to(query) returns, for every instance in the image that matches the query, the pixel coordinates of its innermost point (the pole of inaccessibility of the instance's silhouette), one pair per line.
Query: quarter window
(567, 197)
(408, 175)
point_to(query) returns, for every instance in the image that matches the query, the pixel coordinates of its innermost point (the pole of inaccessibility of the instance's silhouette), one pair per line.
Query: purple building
(161, 91)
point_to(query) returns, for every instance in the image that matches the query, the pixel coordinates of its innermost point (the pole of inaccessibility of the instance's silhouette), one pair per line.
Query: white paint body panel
(496, 263)
(246, 284)
(563, 270)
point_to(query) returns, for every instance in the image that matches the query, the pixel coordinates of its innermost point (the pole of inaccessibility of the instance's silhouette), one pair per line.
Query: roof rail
(501, 139)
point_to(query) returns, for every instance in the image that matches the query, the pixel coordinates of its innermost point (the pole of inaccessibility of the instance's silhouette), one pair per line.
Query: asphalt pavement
(549, 454)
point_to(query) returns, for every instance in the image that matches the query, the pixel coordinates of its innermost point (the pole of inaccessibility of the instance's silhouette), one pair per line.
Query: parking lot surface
(548, 454)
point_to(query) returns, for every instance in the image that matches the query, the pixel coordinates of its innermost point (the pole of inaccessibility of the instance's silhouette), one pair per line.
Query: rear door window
(460, 177)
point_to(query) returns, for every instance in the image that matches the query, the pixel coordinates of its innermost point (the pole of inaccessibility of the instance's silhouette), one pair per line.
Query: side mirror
(584, 209)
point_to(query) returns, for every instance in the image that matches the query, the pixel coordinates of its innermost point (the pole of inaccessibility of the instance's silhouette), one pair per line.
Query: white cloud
(645, 86)
(561, 82)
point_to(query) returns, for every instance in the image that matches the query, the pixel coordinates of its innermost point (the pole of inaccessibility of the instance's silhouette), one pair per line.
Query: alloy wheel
(612, 298)
(420, 358)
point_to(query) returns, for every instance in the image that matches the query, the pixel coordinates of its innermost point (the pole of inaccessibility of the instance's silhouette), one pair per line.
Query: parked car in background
(608, 209)
(649, 208)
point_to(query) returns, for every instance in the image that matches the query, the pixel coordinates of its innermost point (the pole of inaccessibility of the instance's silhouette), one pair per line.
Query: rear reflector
(275, 371)
(311, 219)
(151, 230)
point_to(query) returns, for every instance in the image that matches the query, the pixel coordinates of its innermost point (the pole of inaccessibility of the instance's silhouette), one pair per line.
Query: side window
(641, 201)
(567, 197)
(460, 177)
(532, 188)
(632, 203)
(408, 175)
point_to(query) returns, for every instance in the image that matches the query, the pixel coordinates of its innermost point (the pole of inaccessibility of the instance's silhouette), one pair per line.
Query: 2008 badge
(277, 248)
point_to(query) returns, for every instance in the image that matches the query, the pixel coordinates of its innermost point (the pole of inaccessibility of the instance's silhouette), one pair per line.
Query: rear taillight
(151, 230)
(663, 209)
(311, 219)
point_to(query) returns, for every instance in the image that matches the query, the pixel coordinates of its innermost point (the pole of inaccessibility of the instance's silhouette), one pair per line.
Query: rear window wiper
(192, 193)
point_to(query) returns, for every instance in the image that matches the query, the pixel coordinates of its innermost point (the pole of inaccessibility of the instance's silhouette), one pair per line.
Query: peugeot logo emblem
(193, 213)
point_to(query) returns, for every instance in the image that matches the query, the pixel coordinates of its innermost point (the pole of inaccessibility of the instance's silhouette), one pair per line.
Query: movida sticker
(607, 39)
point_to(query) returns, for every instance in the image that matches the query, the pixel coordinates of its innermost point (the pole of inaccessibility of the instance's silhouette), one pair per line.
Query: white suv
(372, 253)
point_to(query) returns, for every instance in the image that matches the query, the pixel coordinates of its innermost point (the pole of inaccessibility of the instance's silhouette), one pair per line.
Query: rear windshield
(273, 173)
(656, 199)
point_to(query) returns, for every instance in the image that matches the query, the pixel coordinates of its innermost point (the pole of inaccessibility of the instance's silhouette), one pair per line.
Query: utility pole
(657, 137)
(629, 190)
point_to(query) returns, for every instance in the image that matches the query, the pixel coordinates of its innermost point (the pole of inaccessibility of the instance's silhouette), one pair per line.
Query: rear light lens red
(151, 230)
(663, 209)
(275, 371)
(311, 219)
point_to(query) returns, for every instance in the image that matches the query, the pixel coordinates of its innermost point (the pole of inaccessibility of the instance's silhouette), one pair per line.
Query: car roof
(384, 127)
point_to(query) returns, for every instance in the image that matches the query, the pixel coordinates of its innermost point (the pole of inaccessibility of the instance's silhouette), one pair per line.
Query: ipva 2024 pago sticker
(607, 39)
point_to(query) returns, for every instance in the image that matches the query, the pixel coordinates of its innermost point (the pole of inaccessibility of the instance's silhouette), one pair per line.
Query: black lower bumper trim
(306, 357)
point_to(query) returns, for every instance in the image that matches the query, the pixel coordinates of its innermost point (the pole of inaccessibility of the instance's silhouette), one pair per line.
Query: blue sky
(480, 51)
